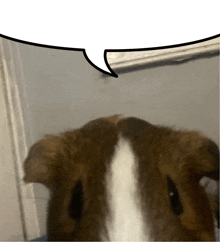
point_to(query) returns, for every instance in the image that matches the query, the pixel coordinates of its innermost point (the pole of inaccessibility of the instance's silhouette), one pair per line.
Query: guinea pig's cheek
(192, 219)
(206, 236)
(188, 219)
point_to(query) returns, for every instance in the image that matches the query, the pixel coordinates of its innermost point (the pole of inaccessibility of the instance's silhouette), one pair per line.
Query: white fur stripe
(125, 221)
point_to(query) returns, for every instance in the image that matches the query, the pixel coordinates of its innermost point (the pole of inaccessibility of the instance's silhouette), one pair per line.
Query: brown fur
(84, 155)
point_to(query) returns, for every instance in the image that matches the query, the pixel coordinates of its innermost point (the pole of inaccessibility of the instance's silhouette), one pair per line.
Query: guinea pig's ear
(41, 162)
(211, 168)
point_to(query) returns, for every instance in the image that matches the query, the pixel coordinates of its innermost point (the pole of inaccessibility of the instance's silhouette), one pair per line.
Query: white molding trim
(121, 60)
(18, 136)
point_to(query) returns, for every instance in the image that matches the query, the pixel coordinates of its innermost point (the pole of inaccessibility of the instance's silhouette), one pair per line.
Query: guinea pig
(124, 179)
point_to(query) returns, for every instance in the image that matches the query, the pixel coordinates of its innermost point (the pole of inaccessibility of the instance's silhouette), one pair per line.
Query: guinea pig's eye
(76, 202)
(174, 197)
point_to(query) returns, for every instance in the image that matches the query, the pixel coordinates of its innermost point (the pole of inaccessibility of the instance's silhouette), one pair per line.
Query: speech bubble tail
(97, 58)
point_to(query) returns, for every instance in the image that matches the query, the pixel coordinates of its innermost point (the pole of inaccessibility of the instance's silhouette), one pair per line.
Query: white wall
(64, 91)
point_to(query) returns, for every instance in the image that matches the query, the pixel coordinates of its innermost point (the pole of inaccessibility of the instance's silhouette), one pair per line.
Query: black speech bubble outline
(112, 73)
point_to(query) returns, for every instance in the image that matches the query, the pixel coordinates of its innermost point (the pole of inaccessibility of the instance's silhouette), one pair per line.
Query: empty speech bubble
(96, 27)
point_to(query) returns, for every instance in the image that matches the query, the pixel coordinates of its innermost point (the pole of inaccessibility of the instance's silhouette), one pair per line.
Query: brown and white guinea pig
(125, 179)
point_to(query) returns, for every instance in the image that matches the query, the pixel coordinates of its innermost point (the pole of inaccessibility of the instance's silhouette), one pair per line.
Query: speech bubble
(96, 27)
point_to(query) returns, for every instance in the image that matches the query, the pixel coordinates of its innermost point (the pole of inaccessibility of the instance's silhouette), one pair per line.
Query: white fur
(125, 221)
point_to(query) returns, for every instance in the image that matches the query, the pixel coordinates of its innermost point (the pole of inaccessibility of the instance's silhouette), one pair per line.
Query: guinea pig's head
(125, 179)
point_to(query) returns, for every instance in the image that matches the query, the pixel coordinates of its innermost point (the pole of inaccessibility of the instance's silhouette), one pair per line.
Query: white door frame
(12, 71)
